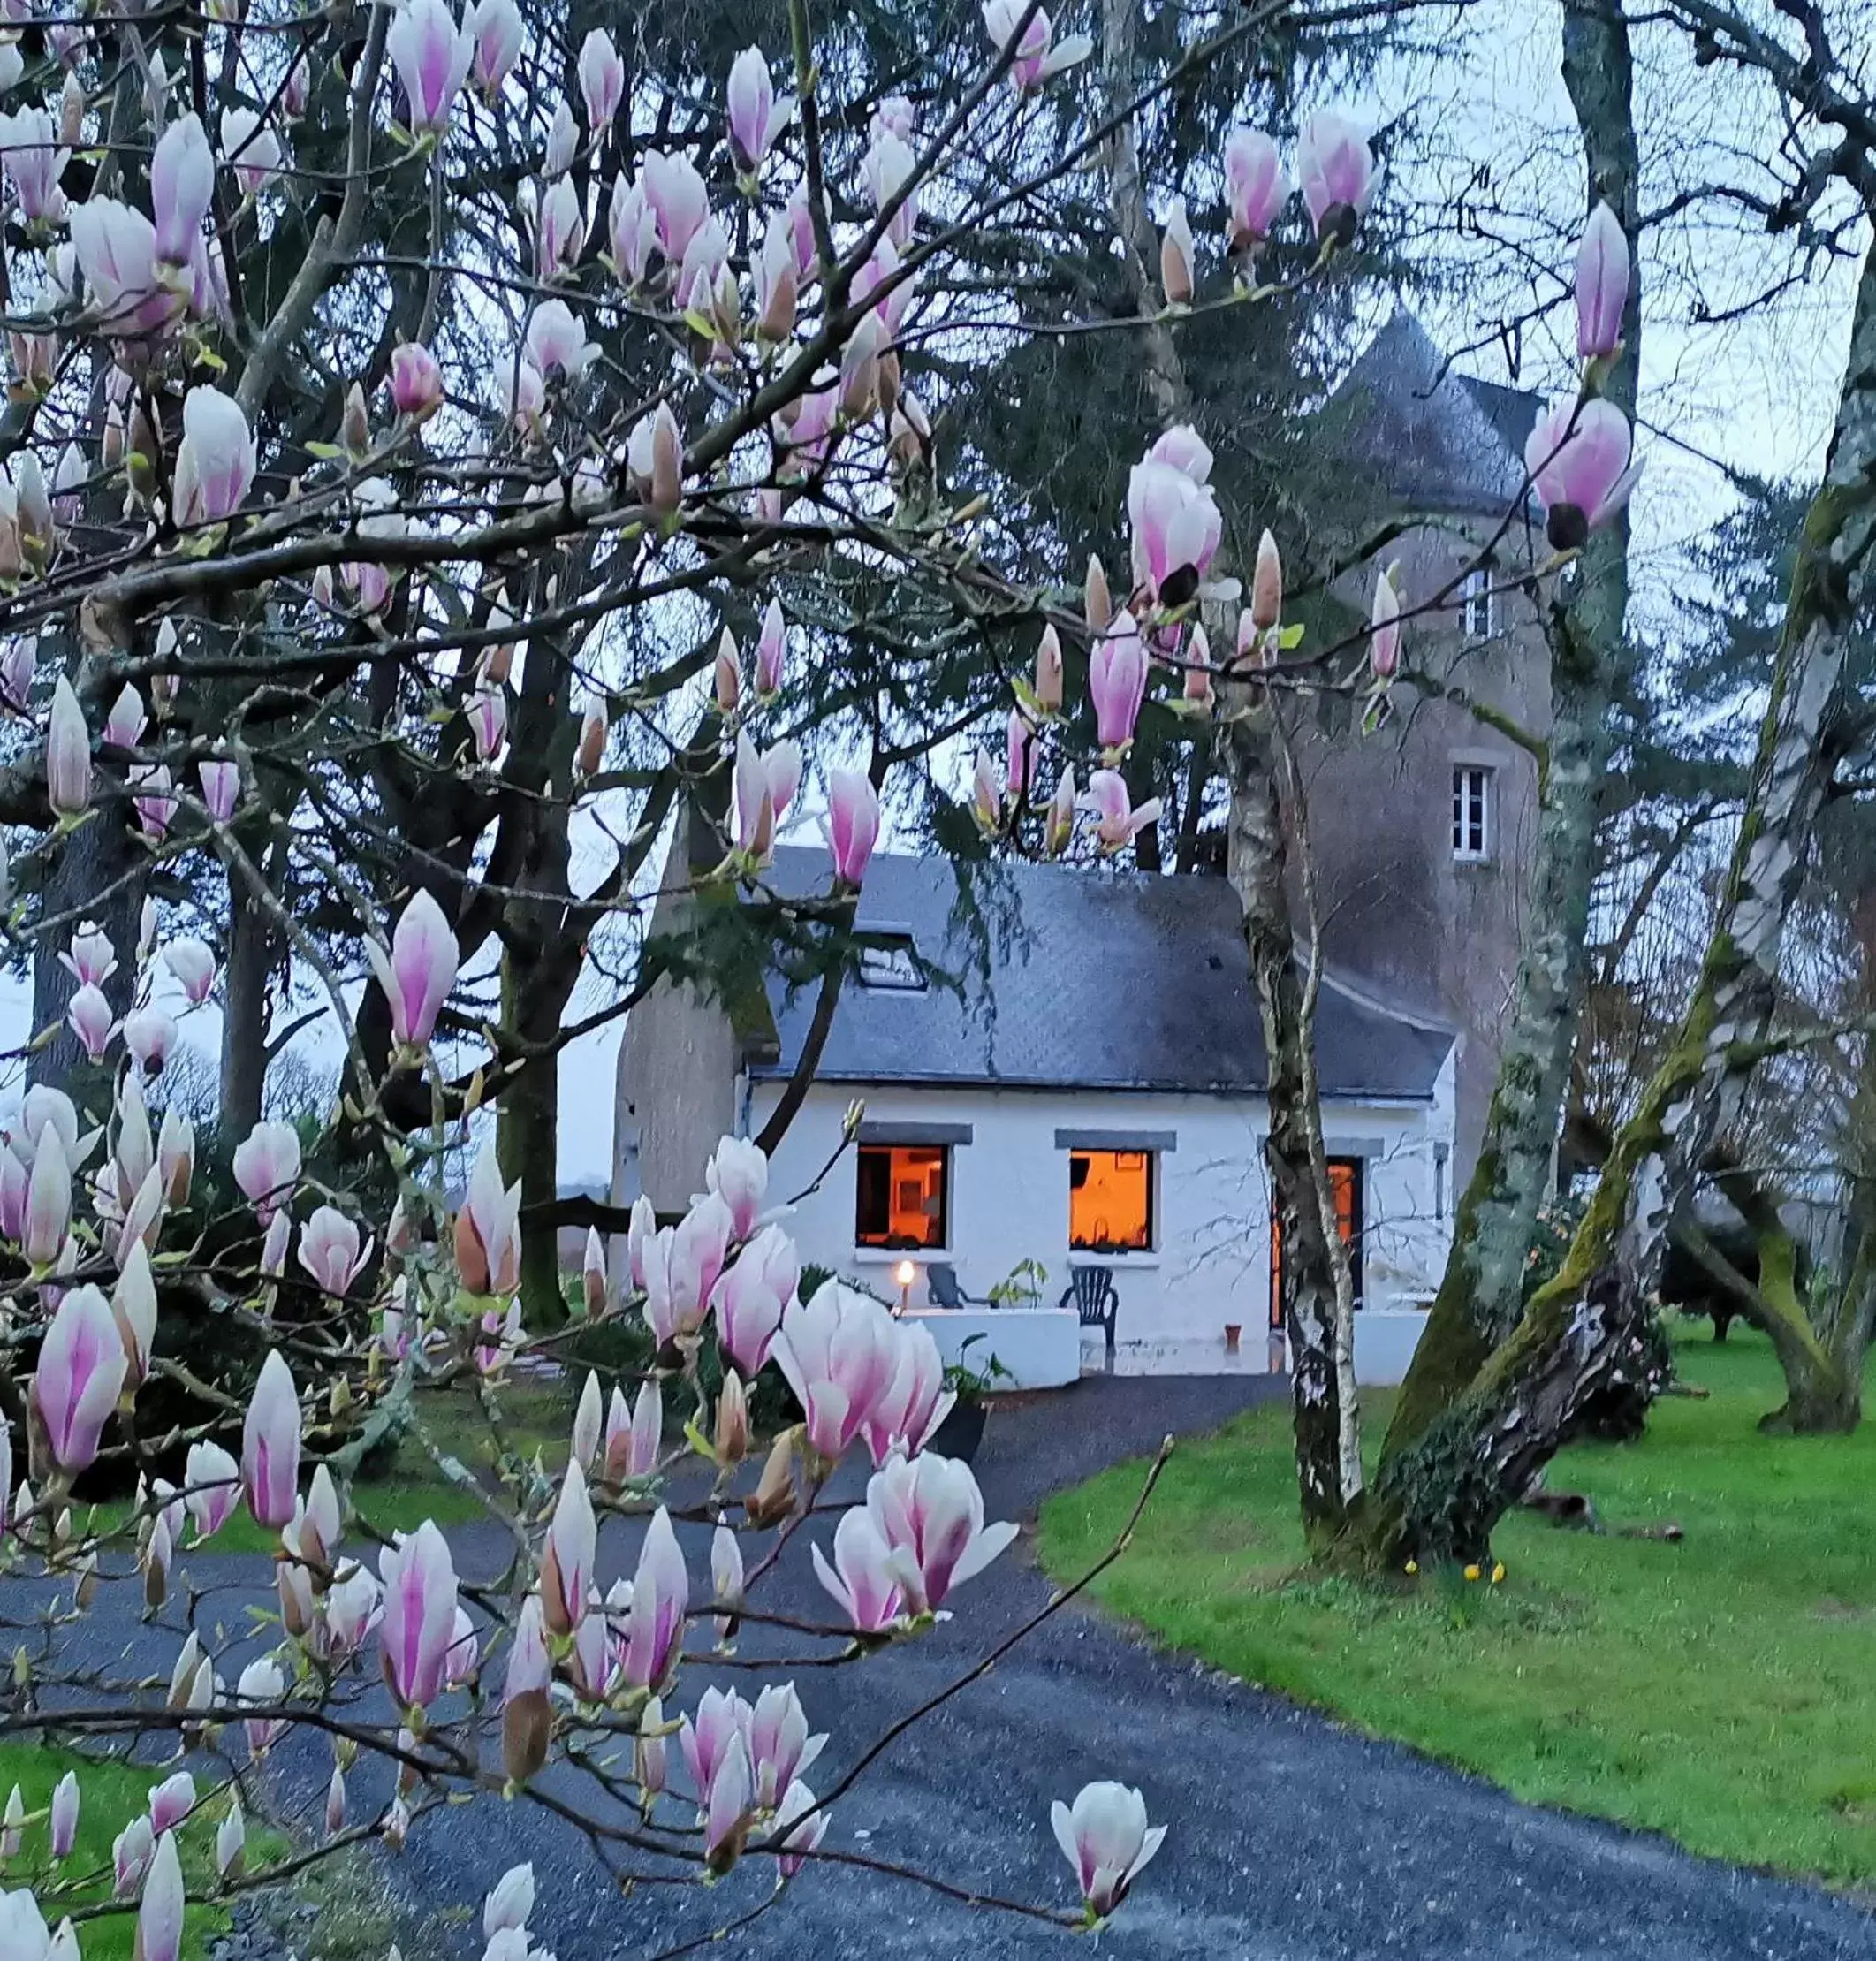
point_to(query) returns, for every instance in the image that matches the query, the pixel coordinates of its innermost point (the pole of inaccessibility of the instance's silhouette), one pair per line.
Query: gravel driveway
(1290, 1836)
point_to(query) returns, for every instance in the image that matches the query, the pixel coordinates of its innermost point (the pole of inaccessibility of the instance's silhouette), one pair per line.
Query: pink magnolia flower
(211, 1487)
(115, 246)
(705, 1739)
(130, 1853)
(838, 1355)
(431, 55)
(329, 1250)
(853, 824)
(799, 1810)
(252, 148)
(1036, 61)
(261, 1685)
(780, 1747)
(35, 162)
(1578, 458)
(1383, 636)
(680, 203)
(1256, 185)
(182, 187)
(567, 1559)
(863, 1577)
(89, 958)
(556, 341)
(737, 1173)
(216, 460)
(17, 663)
(631, 229)
(159, 1914)
(1337, 173)
(80, 1370)
(1106, 1837)
(90, 1018)
(655, 459)
(726, 1815)
(270, 1444)
(1602, 284)
(559, 230)
(48, 1212)
(171, 1801)
(757, 117)
(63, 1823)
(487, 1232)
(153, 798)
(1116, 823)
(416, 381)
(1176, 525)
(770, 647)
(499, 34)
(125, 725)
(420, 1614)
(221, 784)
(1019, 745)
(986, 794)
(660, 1598)
(267, 1167)
(682, 1266)
(1176, 273)
(930, 1511)
(602, 81)
(68, 754)
(752, 1297)
(418, 972)
(915, 1401)
(193, 966)
(634, 1435)
(1116, 681)
(887, 170)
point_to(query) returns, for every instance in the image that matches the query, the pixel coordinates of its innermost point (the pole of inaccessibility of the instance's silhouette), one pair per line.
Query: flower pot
(1233, 1330)
(960, 1432)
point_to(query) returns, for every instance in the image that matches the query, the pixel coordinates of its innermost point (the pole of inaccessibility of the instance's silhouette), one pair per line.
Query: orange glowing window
(1346, 1188)
(1111, 1201)
(902, 1196)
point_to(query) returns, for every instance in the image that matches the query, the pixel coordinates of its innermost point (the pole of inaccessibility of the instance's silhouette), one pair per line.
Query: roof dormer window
(891, 963)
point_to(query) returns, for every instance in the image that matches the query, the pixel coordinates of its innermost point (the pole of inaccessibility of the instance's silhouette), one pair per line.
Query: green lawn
(111, 1796)
(1722, 1690)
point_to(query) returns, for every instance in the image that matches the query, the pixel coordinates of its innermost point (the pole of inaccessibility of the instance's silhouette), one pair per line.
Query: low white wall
(1009, 1199)
(1038, 1348)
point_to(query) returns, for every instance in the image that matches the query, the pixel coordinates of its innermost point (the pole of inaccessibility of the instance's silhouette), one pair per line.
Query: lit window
(1345, 1189)
(902, 1197)
(1111, 1201)
(893, 963)
(1471, 811)
(1477, 604)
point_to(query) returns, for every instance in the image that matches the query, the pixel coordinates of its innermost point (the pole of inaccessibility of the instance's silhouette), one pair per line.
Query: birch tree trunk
(1327, 1437)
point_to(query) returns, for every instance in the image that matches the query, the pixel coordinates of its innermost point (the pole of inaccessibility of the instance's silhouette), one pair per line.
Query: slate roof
(1432, 437)
(1110, 980)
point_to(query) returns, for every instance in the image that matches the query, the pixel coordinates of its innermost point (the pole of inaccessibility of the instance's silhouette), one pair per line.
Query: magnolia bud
(354, 425)
(1097, 605)
(773, 1498)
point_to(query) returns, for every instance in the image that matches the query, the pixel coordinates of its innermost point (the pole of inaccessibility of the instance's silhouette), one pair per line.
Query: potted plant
(962, 1430)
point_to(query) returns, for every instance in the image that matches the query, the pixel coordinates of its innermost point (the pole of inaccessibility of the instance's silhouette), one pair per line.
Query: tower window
(1471, 812)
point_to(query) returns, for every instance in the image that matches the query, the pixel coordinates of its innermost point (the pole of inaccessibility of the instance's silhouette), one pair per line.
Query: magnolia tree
(389, 420)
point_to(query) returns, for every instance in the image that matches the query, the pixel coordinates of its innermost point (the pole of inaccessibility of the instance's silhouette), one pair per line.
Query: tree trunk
(1479, 1297)
(528, 1127)
(254, 954)
(1478, 1458)
(1258, 867)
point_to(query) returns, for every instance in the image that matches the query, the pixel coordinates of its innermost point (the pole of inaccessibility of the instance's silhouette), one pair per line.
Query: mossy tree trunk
(1479, 1298)
(1446, 1488)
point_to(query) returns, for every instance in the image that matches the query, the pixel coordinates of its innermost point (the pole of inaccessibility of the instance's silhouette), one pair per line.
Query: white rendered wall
(1211, 1262)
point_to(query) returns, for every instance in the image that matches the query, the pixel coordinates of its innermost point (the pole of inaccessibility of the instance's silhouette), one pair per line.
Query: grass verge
(1718, 1690)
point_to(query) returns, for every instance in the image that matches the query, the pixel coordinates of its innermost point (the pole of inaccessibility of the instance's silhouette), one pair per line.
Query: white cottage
(1066, 1073)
